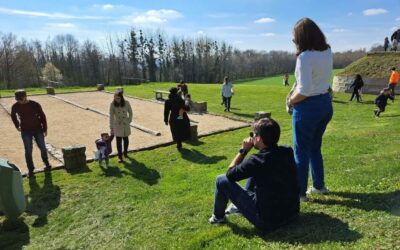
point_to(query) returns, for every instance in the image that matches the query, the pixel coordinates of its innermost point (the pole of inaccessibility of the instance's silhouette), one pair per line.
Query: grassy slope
(376, 65)
(162, 199)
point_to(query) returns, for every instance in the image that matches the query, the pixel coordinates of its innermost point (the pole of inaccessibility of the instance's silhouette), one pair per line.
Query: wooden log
(100, 87)
(50, 91)
(74, 156)
(193, 132)
(261, 114)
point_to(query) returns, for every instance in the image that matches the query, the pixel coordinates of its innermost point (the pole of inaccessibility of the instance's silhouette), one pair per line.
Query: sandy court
(68, 124)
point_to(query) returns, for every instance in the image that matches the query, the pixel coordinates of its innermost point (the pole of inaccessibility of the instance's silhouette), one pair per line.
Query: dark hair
(226, 79)
(393, 68)
(173, 92)
(269, 131)
(308, 36)
(122, 102)
(103, 134)
(358, 77)
(181, 81)
(20, 94)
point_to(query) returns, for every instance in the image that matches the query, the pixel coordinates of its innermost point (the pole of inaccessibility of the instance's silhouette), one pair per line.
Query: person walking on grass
(311, 103)
(120, 120)
(29, 119)
(381, 101)
(227, 92)
(271, 196)
(357, 85)
(393, 80)
(386, 44)
(286, 80)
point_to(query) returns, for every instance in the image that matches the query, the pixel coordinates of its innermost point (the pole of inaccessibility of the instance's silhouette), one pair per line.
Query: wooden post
(74, 156)
(261, 114)
(193, 132)
(100, 87)
(50, 91)
(120, 89)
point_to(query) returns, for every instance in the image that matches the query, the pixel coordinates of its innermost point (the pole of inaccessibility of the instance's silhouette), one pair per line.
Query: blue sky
(246, 24)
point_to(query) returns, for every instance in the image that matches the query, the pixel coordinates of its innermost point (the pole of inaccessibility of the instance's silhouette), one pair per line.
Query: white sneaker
(214, 220)
(232, 209)
(313, 190)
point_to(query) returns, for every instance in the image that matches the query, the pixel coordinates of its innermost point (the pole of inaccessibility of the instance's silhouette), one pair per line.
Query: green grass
(38, 91)
(375, 65)
(161, 199)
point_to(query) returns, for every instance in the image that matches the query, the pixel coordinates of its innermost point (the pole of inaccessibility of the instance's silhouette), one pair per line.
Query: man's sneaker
(313, 190)
(215, 220)
(303, 199)
(232, 209)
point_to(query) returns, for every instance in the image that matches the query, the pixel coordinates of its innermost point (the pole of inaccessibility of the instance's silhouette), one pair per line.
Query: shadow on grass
(112, 172)
(338, 101)
(383, 115)
(308, 228)
(14, 234)
(42, 199)
(194, 143)
(389, 202)
(74, 171)
(368, 102)
(139, 171)
(243, 115)
(198, 157)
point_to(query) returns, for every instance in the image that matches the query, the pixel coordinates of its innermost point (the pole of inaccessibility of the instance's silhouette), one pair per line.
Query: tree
(50, 73)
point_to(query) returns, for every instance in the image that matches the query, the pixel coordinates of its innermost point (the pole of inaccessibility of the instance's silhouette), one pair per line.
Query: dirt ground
(68, 124)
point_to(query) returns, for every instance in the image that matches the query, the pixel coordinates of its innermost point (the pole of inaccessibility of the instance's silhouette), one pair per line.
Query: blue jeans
(243, 199)
(309, 121)
(39, 138)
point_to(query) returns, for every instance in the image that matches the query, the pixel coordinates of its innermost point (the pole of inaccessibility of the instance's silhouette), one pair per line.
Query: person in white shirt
(227, 92)
(311, 103)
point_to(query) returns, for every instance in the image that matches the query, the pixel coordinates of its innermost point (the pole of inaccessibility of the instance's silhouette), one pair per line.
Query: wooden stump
(261, 114)
(199, 107)
(100, 87)
(193, 132)
(74, 156)
(120, 89)
(50, 91)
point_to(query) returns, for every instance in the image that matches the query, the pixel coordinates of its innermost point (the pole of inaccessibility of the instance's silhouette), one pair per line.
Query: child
(381, 101)
(104, 148)
(187, 106)
(286, 80)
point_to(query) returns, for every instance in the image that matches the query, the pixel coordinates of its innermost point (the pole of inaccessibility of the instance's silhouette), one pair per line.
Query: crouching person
(271, 196)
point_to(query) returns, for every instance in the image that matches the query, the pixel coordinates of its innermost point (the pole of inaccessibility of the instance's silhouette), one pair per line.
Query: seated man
(272, 195)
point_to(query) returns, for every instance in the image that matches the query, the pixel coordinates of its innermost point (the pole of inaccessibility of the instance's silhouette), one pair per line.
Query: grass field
(161, 199)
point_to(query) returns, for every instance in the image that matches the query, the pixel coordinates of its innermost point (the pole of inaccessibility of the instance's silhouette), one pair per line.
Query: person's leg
(126, 145)
(229, 103)
(107, 161)
(358, 95)
(27, 140)
(250, 184)
(39, 138)
(225, 100)
(352, 95)
(245, 201)
(119, 146)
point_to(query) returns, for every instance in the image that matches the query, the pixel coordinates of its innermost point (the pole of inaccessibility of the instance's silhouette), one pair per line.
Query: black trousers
(227, 103)
(355, 93)
(119, 145)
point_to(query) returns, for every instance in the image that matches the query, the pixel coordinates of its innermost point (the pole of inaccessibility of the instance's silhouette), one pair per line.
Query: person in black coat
(381, 101)
(180, 126)
(357, 85)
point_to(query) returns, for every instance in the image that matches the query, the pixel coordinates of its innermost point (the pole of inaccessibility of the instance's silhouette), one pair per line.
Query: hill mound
(373, 65)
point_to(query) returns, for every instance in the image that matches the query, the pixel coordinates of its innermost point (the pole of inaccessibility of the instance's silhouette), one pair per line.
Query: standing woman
(357, 85)
(311, 102)
(120, 120)
(227, 92)
(180, 126)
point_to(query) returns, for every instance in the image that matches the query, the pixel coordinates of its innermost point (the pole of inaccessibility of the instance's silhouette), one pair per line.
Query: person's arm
(111, 118)
(14, 118)
(130, 112)
(304, 79)
(167, 109)
(42, 119)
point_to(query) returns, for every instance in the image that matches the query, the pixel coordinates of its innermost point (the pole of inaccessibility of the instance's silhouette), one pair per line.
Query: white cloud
(265, 20)
(104, 6)
(47, 15)
(151, 17)
(338, 30)
(268, 34)
(61, 25)
(394, 28)
(373, 12)
(398, 19)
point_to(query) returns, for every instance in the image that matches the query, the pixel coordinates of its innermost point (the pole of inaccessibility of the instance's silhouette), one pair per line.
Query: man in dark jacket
(30, 120)
(272, 195)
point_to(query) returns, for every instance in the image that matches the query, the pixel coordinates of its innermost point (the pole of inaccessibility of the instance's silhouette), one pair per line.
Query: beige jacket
(120, 119)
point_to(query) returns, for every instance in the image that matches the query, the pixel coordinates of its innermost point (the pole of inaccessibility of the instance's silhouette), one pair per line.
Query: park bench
(159, 94)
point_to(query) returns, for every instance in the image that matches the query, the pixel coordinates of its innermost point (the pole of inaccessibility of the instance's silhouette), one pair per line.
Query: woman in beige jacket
(120, 120)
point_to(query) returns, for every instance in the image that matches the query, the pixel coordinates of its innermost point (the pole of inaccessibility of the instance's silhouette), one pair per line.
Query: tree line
(137, 56)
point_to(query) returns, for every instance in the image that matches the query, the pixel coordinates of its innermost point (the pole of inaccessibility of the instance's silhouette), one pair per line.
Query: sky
(246, 24)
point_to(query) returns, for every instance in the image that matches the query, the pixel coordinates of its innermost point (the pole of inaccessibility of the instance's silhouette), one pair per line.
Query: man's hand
(247, 144)
(45, 134)
(19, 129)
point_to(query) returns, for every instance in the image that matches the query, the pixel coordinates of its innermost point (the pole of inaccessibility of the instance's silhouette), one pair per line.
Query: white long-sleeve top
(313, 72)
(226, 90)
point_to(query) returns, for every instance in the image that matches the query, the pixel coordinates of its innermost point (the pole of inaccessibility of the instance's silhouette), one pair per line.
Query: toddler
(104, 148)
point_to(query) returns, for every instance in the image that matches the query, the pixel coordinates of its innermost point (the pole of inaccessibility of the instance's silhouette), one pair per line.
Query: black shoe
(47, 168)
(120, 159)
(126, 154)
(30, 174)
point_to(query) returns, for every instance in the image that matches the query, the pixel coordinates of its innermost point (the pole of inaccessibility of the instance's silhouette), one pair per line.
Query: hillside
(374, 65)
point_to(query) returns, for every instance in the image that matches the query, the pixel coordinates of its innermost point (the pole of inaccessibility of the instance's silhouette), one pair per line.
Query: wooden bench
(159, 94)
